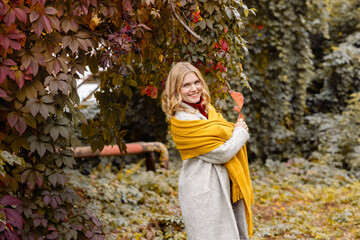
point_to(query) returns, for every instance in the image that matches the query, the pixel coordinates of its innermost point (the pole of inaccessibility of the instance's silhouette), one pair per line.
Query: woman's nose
(193, 87)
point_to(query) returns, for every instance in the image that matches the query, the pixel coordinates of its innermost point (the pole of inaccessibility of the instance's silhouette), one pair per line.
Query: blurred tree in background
(303, 67)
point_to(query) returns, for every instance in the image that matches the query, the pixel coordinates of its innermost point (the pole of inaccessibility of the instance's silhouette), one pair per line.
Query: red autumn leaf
(2, 93)
(55, 22)
(50, 11)
(34, 16)
(127, 6)
(74, 45)
(31, 59)
(81, 8)
(16, 34)
(20, 125)
(13, 217)
(15, 120)
(37, 222)
(12, 118)
(5, 70)
(25, 175)
(52, 228)
(56, 66)
(21, 13)
(70, 24)
(9, 233)
(38, 178)
(26, 60)
(11, 43)
(8, 62)
(224, 45)
(13, 11)
(19, 78)
(10, 200)
(46, 23)
(31, 180)
(54, 202)
(47, 199)
(42, 2)
(44, 19)
(10, 38)
(239, 100)
(9, 18)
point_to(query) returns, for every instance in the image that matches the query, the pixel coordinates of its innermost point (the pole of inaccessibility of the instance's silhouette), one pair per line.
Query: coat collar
(193, 110)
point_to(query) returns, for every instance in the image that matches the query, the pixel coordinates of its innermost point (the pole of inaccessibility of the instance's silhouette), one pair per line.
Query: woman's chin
(194, 100)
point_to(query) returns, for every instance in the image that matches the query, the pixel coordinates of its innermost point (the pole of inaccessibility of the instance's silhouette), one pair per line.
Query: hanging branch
(184, 24)
(228, 85)
(173, 28)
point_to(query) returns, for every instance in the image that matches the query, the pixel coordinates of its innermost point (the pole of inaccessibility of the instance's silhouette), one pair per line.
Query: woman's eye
(197, 82)
(185, 85)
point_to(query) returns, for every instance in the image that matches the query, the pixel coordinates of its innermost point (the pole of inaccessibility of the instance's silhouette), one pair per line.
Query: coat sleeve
(225, 152)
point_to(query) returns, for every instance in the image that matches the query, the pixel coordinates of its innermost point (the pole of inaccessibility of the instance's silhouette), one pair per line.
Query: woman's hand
(241, 123)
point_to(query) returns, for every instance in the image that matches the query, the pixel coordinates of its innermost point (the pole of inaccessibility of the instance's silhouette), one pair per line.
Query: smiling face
(191, 88)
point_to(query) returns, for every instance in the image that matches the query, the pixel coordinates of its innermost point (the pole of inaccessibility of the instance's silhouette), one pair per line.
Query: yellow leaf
(161, 58)
(241, 68)
(246, 12)
(94, 22)
(186, 39)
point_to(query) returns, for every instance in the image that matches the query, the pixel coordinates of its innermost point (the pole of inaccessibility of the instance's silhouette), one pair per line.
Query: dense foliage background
(296, 62)
(303, 67)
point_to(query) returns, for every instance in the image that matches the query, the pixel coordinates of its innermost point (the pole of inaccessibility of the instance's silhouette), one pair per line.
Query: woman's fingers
(241, 123)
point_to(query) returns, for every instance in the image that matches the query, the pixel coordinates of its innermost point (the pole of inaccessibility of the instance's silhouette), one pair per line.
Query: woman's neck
(199, 106)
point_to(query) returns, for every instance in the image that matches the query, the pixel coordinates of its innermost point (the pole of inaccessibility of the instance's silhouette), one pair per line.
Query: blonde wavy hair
(171, 97)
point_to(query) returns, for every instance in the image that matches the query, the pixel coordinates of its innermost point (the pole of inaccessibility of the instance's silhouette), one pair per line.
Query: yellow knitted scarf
(196, 137)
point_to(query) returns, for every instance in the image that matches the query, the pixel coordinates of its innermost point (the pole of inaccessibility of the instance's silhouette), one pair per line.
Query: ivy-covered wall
(303, 61)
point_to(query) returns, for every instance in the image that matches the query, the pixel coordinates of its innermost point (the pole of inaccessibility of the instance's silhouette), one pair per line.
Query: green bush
(132, 203)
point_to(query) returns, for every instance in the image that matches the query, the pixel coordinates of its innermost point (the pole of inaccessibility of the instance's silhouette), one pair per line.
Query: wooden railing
(149, 148)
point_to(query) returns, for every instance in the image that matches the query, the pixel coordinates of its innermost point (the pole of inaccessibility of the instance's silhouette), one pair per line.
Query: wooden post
(150, 161)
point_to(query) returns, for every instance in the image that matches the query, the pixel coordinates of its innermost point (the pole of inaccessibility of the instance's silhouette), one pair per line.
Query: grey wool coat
(204, 190)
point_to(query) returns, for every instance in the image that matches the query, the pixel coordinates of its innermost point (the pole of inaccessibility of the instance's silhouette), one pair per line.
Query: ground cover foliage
(296, 199)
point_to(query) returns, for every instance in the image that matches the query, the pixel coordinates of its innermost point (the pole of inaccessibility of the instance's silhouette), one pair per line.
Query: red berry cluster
(198, 63)
(194, 16)
(258, 27)
(150, 91)
(221, 67)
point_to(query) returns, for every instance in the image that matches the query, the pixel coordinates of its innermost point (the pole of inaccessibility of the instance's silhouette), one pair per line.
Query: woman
(213, 206)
